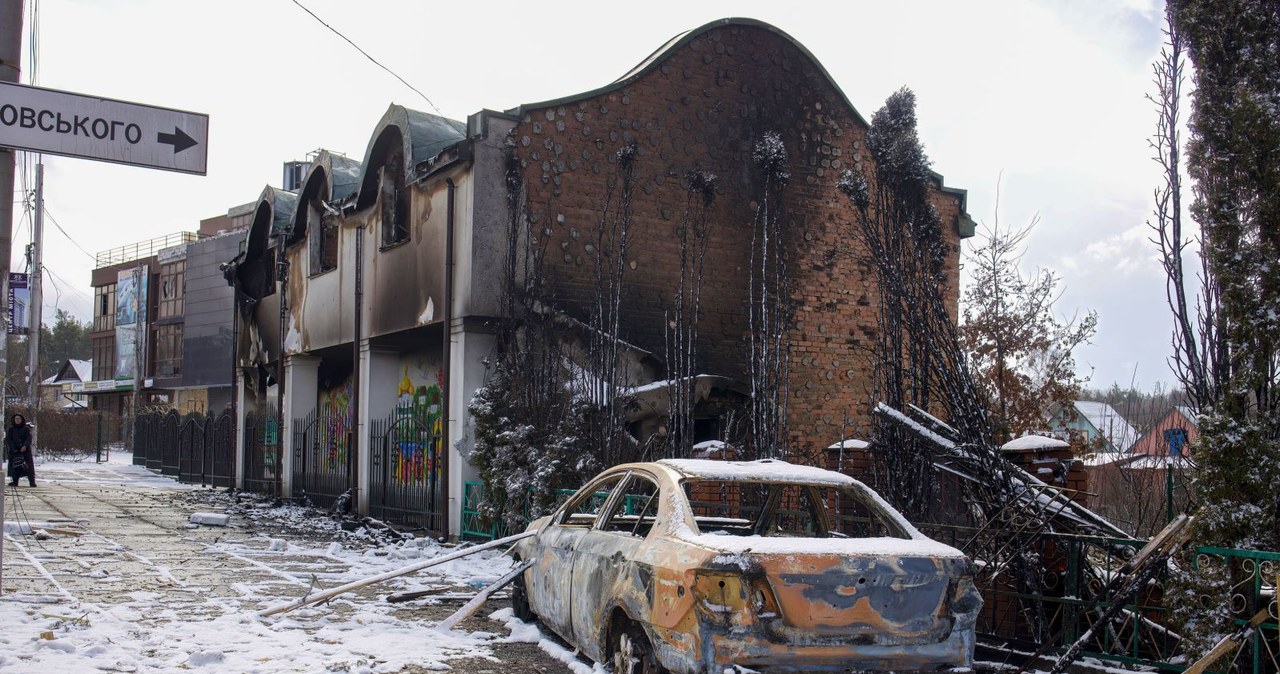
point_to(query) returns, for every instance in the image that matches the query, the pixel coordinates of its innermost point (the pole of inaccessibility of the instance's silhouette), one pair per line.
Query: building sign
(131, 321)
(19, 303)
(102, 386)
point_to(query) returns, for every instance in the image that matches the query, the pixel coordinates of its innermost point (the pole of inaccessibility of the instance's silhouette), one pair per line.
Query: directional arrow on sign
(179, 140)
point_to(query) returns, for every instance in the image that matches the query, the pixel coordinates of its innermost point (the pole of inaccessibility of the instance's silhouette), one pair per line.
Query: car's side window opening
(583, 510)
(636, 509)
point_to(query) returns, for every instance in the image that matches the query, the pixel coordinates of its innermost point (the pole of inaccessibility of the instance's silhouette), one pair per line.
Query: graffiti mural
(336, 425)
(416, 431)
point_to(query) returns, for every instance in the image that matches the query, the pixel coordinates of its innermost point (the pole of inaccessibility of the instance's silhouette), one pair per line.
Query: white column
(379, 378)
(466, 374)
(301, 379)
(241, 411)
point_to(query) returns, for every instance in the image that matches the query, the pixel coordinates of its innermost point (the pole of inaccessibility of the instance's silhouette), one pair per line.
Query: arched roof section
(420, 135)
(654, 61)
(272, 214)
(333, 178)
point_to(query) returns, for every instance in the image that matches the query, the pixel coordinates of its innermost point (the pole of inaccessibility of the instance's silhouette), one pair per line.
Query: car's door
(551, 591)
(603, 566)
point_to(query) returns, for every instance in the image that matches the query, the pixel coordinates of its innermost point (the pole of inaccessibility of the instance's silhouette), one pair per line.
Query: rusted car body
(696, 565)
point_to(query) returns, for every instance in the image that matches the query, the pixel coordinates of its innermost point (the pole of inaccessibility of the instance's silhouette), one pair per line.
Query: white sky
(1049, 93)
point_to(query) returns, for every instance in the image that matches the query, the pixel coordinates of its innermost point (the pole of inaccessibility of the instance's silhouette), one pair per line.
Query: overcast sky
(1048, 94)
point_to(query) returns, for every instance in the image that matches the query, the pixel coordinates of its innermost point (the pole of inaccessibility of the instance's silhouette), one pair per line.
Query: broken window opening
(394, 199)
(586, 506)
(637, 509)
(323, 239)
(784, 510)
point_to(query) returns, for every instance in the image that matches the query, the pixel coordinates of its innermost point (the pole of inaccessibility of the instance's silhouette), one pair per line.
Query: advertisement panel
(19, 303)
(131, 320)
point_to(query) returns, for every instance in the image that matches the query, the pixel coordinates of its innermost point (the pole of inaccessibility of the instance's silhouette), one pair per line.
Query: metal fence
(195, 448)
(406, 482)
(261, 452)
(323, 455)
(206, 449)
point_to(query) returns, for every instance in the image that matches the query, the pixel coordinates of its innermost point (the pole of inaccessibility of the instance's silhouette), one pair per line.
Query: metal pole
(138, 314)
(10, 68)
(37, 299)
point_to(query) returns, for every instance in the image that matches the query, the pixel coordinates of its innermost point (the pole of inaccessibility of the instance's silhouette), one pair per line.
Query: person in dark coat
(17, 444)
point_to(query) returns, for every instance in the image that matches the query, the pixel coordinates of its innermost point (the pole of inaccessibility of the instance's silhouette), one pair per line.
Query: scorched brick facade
(702, 104)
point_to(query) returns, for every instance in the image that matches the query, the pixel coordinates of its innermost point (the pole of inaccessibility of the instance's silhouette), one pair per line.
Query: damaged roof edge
(476, 124)
(423, 136)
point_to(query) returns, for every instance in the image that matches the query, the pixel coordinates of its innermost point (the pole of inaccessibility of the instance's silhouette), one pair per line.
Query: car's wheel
(520, 600)
(631, 651)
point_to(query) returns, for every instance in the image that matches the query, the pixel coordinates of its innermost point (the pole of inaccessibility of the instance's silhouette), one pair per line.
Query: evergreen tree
(69, 338)
(1233, 158)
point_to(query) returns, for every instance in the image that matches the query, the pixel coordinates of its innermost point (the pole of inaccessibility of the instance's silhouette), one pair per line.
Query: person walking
(17, 444)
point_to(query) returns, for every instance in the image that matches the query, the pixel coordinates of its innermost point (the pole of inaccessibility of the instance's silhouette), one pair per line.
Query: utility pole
(37, 296)
(10, 68)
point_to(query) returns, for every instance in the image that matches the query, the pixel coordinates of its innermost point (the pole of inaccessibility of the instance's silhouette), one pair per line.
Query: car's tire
(520, 600)
(630, 651)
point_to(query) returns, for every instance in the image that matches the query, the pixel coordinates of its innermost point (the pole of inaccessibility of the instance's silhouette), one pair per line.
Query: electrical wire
(366, 55)
(75, 243)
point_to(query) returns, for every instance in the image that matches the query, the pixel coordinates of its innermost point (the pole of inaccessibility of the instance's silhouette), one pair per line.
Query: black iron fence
(261, 452)
(323, 456)
(195, 448)
(406, 482)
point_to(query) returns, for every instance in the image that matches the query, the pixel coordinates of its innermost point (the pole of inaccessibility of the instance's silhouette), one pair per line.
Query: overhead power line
(366, 55)
(75, 243)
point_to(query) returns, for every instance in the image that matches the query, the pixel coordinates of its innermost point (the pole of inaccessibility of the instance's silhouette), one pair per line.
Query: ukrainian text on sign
(58, 122)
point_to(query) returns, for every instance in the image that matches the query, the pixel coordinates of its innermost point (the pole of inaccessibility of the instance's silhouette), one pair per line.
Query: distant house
(1173, 435)
(1095, 425)
(57, 391)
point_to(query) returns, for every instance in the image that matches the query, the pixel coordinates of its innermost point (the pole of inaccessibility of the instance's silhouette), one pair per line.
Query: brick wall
(703, 107)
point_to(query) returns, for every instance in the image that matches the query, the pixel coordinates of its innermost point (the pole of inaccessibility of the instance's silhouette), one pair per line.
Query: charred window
(728, 508)
(585, 507)
(104, 308)
(173, 286)
(394, 198)
(323, 237)
(636, 509)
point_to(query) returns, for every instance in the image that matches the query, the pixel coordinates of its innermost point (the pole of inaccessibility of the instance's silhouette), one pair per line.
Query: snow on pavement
(142, 590)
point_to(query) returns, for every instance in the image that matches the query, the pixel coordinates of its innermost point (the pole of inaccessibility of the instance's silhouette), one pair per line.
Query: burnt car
(691, 565)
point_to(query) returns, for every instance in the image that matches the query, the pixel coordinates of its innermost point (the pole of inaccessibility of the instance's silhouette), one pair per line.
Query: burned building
(382, 280)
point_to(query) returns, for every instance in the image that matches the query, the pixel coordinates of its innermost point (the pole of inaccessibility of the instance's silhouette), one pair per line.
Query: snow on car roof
(879, 546)
(762, 470)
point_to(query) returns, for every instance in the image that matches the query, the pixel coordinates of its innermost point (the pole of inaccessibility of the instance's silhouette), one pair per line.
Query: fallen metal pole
(354, 585)
(470, 607)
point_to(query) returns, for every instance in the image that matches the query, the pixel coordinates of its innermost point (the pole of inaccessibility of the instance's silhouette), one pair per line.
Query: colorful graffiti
(416, 431)
(336, 425)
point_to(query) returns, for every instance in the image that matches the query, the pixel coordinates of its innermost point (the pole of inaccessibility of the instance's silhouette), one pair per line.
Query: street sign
(75, 125)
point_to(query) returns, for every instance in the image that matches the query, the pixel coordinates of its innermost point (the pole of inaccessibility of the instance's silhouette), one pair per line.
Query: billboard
(19, 304)
(131, 320)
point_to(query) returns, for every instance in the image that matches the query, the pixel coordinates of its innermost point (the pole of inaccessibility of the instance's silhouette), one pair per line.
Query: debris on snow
(211, 519)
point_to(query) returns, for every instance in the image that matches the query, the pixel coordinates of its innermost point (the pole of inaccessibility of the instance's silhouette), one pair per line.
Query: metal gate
(155, 441)
(206, 444)
(322, 455)
(261, 448)
(405, 483)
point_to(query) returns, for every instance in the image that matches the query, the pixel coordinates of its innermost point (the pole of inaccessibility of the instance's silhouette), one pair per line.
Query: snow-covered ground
(121, 581)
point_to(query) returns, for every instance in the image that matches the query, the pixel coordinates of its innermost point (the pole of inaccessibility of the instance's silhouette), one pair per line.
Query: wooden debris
(476, 602)
(355, 585)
